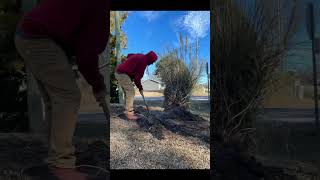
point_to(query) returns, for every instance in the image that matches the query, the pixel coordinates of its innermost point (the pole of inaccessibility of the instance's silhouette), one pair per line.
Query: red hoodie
(80, 27)
(135, 65)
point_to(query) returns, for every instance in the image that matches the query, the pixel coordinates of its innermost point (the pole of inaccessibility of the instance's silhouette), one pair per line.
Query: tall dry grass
(180, 70)
(248, 51)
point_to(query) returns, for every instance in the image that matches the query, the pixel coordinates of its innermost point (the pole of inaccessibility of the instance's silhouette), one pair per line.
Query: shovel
(145, 103)
(152, 124)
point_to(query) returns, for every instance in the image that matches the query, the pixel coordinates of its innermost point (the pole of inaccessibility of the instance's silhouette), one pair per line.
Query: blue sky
(158, 30)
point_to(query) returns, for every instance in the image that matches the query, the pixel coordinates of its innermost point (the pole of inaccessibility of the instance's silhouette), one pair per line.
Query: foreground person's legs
(49, 64)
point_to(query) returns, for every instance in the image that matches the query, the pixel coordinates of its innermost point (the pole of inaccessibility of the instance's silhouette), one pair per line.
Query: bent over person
(132, 69)
(46, 38)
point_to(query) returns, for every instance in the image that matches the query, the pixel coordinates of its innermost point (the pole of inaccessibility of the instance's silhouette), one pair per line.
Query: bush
(180, 75)
(13, 94)
(248, 52)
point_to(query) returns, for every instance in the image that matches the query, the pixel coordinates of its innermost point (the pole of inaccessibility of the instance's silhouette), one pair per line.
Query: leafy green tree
(13, 104)
(114, 98)
(9, 60)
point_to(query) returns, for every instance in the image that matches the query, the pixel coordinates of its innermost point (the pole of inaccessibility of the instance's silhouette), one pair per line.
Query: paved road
(194, 98)
(98, 118)
(95, 124)
(273, 114)
(92, 125)
(91, 117)
(288, 114)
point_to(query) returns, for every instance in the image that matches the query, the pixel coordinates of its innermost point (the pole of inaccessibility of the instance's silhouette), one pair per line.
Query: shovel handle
(105, 109)
(144, 100)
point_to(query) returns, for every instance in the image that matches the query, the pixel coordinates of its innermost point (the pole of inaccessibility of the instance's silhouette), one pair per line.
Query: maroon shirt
(80, 27)
(134, 66)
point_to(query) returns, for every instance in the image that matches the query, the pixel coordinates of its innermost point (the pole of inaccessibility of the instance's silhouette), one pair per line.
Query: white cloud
(176, 42)
(197, 23)
(150, 15)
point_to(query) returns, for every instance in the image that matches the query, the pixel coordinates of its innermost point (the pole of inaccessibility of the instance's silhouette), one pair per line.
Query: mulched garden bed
(176, 120)
(230, 163)
(18, 151)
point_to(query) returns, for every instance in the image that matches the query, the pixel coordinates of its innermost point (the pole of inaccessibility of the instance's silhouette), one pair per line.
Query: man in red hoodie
(132, 69)
(46, 38)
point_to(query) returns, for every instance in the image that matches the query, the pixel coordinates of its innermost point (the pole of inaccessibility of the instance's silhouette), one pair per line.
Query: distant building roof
(154, 78)
(152, 85)
(157, 81)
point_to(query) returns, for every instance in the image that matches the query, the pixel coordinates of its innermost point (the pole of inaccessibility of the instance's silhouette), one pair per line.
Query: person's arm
(91, 41)
(88, 66)
(138, 76)
(137, 81)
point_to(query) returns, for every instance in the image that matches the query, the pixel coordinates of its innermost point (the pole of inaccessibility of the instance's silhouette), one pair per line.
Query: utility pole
(118, 48)
(208, 77)
(35, 103)
(311, 30)
(280, 31)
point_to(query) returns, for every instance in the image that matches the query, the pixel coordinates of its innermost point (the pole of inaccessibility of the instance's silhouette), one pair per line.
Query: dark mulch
(175, 120)
(230, 163)
(18, 151)
(180, 121)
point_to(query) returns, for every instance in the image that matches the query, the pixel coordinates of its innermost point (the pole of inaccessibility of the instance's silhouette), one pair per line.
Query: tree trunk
(35, 104)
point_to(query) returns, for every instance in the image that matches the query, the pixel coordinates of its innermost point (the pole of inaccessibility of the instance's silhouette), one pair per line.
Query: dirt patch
(232, 164)
(175, 120)
(136, 145)
(283, 151)
(18, 151)
(178, 121)
(292, 144)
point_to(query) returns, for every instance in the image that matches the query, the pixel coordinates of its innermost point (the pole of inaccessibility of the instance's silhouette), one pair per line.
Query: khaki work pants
(61, 95)
(128, 89)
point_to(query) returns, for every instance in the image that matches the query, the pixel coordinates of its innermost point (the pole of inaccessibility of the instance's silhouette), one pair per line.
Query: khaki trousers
(61, 95)
(128, 89)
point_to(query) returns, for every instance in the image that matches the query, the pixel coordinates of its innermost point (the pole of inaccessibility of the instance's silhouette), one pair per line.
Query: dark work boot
(39, 172)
